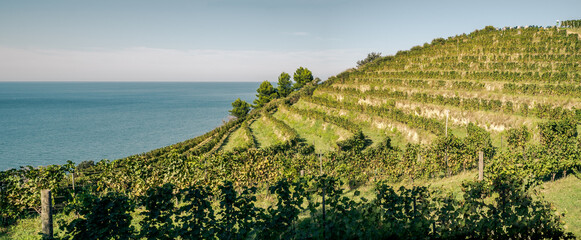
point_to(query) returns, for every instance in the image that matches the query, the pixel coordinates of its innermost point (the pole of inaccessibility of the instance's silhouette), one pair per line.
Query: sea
(44, 123)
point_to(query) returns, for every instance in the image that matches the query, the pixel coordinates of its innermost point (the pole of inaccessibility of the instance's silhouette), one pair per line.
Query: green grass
(236, 139)
(322, 134)
(264, 133)
(25, 229)
(368, 124)
(565, 194)
(29, 228)
(458, 131)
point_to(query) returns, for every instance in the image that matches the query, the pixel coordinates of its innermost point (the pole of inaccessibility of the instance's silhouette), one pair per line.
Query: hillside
(497, 79)
(419, 116)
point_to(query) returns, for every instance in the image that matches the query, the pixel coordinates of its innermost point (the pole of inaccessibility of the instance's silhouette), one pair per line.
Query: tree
(370, 58)
(266, 92)
(239, 108)
(317, 80)
(284, 87)
(302, 76)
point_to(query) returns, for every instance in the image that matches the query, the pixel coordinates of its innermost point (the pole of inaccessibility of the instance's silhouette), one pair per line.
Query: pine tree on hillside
(284, 87)
(239, 108)
(370, 58)
(266, 92)
(302, 76)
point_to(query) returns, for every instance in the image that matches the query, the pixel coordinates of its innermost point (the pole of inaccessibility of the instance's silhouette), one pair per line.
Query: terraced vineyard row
(376, 127)
(500, 87)
(322, 133)
(288, 124)
(521, 105)
(240, 139)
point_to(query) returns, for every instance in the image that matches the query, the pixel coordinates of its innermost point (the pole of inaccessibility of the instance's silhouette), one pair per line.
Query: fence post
(324, 217)
(73, 181)
(46, 213)
(321, 163)
(480, 166)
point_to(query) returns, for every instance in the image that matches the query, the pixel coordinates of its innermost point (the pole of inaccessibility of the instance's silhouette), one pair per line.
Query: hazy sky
(233, 40)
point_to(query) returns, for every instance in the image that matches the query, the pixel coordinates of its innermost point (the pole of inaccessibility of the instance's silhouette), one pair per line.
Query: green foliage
(290, 134)
(284, 86)
(339, 121)
(515, 211)
(237, 215)
(106, 217)
(571, 23)
(159, 206)
(502, 207)
(85, 165)
(386, 111)
(239, 108)
(196, 217)
(518, 137)
(478, 139)
(355, 143)
(246, 137)
(370, 58)
(561, 148)
(302, 76)
(279, 220)
(20, 189)
(266, 93)
(451, 153)
(544, 111)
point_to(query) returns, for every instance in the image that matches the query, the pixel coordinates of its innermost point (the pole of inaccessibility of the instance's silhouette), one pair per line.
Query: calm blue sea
(49, 123)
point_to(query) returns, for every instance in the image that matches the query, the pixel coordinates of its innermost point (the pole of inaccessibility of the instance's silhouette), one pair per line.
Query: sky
(234, 40)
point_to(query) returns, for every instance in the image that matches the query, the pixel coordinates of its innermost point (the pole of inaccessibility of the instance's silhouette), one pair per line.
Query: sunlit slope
(497, 79)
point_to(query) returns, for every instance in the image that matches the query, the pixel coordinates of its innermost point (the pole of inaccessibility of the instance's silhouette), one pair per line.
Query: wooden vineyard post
(73, 175)
(323, 195)
(446, 161)
(321, 164)
(480, 166)
(46, 213)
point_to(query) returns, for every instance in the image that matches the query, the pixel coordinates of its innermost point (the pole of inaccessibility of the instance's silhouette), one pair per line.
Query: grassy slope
(375, 130)
(323, 135)
(264, 133)
(565, 193)
(236, 139)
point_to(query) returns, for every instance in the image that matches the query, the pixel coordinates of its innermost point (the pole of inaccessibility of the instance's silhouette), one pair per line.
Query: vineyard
(513, 94)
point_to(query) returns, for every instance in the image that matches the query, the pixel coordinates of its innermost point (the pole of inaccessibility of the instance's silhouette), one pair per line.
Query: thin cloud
(152, 64)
